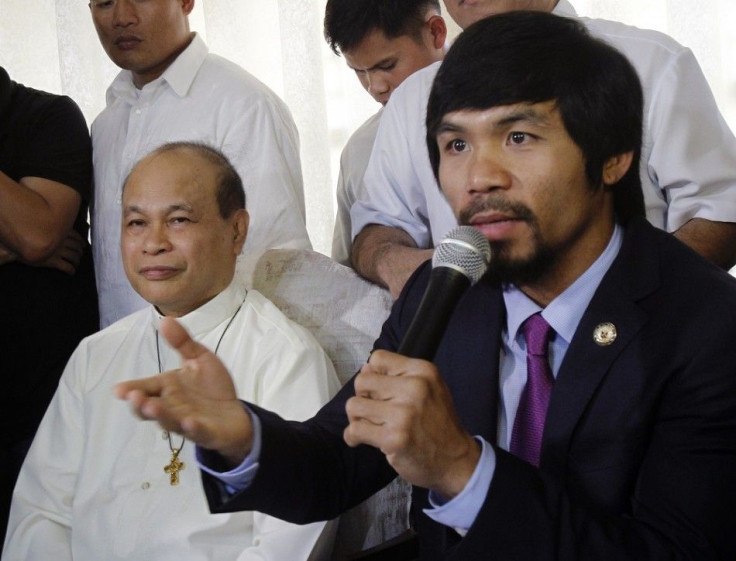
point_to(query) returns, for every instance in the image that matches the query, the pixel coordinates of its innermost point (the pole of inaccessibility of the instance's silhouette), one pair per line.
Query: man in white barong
(99, 485)
(171, 88)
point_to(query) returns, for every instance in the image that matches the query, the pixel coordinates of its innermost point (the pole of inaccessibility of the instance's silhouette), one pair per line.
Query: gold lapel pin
(604, 334)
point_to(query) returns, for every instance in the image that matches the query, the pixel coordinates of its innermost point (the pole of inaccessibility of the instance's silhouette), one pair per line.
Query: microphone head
(464, 249)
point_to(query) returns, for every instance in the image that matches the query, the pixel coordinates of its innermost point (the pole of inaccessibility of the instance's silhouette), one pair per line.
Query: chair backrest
(345, 314)
(343, 311)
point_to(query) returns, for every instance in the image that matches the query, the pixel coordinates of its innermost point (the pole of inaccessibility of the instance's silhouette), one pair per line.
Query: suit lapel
(587, 361)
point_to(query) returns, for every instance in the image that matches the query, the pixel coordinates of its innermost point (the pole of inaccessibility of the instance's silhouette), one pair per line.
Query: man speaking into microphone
(582, 401)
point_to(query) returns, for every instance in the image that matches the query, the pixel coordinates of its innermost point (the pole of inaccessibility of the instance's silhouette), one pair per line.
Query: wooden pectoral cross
(174, 467)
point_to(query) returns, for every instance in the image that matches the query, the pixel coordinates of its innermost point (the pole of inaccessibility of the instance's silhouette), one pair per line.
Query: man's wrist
(460, 512)
(237, 447)
(238, 477)
(462, 471)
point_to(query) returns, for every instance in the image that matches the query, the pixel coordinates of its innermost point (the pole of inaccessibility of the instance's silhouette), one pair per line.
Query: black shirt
(44, 313)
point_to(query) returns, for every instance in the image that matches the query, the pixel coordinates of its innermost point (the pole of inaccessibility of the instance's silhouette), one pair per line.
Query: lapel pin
(604, 334)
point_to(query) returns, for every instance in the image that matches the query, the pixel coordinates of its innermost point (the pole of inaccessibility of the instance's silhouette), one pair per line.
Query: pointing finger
(146, 386)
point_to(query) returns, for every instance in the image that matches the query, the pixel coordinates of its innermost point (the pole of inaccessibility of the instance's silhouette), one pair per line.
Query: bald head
(230, 193)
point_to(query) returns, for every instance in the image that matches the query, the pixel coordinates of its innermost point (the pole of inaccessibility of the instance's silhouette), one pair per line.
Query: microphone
(459, 261)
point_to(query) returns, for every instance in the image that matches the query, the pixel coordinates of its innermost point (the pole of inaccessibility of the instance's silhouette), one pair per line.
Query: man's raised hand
(197, 401)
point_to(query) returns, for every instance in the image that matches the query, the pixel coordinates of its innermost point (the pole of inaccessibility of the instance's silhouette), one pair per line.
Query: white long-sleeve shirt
(93, 486)
(200, 97)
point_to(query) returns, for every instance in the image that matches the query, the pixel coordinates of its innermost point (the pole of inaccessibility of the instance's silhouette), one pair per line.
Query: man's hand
(197, 401)
(36, 214)
(403, 407)
(67, 256)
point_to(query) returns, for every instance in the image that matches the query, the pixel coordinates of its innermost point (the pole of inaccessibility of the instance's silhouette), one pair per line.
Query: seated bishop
(97, 484)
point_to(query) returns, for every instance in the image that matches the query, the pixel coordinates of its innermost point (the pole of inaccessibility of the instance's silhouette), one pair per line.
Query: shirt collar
(213, 313)
(564, 312)
(565, 9)
(179, 75)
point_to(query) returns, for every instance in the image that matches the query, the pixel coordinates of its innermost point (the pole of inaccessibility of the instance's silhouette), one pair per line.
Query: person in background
(688, 164)
(49, 301)
(172, 89)
(383, 42)
(99, 485)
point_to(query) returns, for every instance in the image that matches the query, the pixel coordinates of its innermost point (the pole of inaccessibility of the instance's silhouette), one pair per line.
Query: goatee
(504, 269)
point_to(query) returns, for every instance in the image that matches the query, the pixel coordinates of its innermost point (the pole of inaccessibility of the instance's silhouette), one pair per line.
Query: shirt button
(137, 111)
(145, 485)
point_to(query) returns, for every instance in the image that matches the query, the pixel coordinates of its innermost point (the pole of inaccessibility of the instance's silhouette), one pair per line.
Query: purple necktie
(526, 438)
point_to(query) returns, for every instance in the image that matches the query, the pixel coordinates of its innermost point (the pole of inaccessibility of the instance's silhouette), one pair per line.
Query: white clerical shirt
(93, 486)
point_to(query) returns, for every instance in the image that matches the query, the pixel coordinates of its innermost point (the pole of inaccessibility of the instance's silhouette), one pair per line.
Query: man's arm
(692, 159)
(52, 159)
(36, 215)
(401, 205)
(716, 241)
(387, 256)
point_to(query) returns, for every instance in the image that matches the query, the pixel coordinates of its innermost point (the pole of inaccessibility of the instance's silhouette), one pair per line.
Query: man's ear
(187, 6)
(438, 30)
(239, 220)
(616, 167)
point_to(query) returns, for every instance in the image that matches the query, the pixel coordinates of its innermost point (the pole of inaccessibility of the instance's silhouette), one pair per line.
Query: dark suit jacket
(639, 451)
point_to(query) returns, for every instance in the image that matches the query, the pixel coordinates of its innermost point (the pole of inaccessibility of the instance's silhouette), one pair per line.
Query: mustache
(494, 203)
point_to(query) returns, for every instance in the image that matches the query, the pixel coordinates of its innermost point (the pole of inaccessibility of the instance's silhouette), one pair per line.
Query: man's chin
(506, 269)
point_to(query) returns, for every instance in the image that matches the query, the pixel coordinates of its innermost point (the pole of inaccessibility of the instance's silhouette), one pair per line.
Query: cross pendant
(174, 467)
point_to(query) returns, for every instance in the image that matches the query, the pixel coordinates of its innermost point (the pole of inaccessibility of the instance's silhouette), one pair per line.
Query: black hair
(533, 57)
(230, 193)
(348, 22)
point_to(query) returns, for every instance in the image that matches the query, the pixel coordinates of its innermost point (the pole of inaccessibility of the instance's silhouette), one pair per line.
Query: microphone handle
(446, 286)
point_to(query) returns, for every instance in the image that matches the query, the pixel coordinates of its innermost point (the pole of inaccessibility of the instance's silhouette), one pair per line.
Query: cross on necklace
(174, 467)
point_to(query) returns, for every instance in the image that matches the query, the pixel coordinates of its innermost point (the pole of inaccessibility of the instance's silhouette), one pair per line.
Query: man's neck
(180, 309)
(564, 272)
(141, 79)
